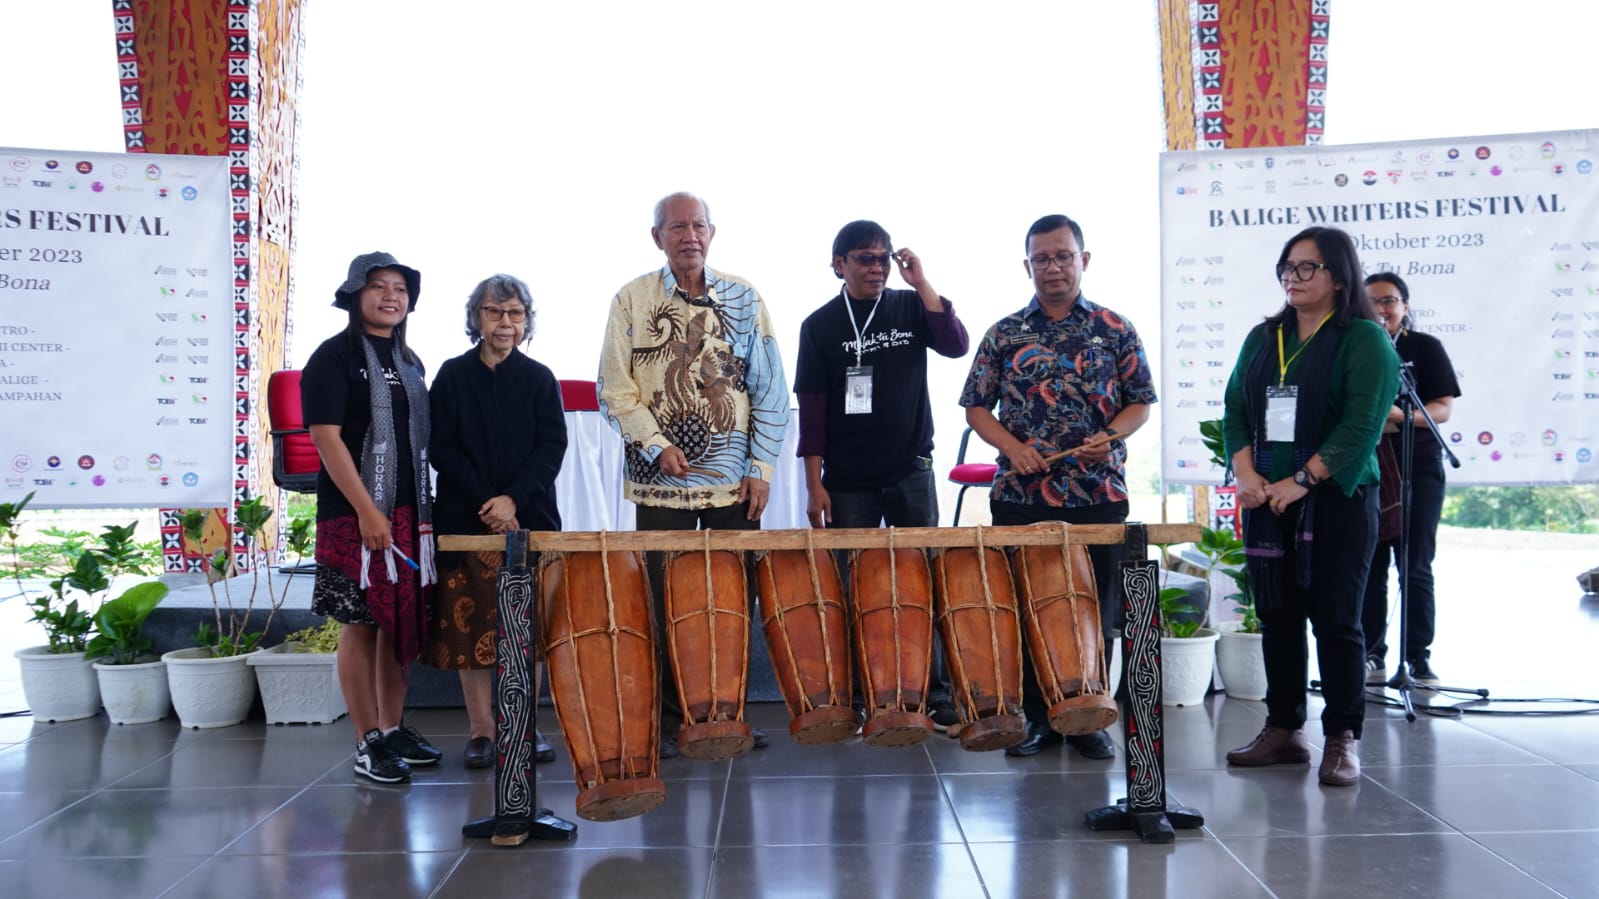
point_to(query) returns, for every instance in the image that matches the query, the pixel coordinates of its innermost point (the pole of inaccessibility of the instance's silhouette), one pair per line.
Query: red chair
(969, 474)
(580, 396)
(294, 457)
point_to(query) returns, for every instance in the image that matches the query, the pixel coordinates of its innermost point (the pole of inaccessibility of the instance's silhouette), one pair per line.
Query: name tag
(1281, 406)
(858, 390)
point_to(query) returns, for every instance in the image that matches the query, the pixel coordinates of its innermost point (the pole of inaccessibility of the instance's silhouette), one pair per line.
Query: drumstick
(1063, 454)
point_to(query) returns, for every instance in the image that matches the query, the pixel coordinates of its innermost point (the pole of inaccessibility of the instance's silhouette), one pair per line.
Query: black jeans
(1345, 532)
(654, 518)
(1426, 507)
(910, 502)
(1107, 580)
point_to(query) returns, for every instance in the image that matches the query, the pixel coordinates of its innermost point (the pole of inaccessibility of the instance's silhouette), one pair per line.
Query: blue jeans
(910, 502)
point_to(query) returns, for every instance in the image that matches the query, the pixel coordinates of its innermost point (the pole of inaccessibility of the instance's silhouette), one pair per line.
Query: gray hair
(660, 208)
(498, 289)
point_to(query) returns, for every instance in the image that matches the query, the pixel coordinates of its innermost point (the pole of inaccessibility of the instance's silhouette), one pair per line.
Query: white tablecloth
(589, 488)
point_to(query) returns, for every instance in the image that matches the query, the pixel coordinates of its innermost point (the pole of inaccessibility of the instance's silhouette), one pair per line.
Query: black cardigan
(496, 431)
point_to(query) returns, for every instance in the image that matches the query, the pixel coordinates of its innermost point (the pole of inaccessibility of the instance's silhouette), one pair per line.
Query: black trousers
(1426, 507)
(1107, 580)
(1344, 533)
(654, 518)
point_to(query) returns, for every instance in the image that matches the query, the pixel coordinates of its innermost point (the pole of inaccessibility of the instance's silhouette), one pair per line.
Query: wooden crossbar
(1045, 534)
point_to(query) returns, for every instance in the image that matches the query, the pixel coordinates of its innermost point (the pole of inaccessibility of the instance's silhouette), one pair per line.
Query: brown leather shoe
(1340, 760)
(1274, 746)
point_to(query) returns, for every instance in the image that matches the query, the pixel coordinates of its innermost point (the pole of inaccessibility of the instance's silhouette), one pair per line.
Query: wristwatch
(1303, 479)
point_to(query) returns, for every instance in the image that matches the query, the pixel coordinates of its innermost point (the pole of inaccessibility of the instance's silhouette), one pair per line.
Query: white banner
(116, 329)
(1497, 238)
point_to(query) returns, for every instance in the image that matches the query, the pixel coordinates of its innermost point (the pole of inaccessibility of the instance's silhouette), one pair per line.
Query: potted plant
(299, 677)
(58, 680)
(1187, 642)
(1240, 656)
(212, 683)
(133, 683)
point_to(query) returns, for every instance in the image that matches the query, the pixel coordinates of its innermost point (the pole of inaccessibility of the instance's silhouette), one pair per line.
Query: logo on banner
(1368, 177)
(21, 463)
(1584, 166)
(190, 479)
(1484, 152)
(84, 167)
(188, 192)
(1547, 149)
(152, 172)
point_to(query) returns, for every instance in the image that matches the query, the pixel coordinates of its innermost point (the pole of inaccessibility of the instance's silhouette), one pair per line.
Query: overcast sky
(534, 139)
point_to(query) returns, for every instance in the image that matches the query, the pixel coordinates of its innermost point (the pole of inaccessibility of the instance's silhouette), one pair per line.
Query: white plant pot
(208, 692)
(1187, 664)
(299, 687)
(134, 694)
(58, 686)
(1242, 662)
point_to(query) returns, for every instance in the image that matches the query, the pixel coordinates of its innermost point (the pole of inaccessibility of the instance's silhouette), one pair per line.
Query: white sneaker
(1376, 674)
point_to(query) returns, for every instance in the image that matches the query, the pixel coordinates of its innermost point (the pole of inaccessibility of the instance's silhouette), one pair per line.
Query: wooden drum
(802, 606)
(893, 606)
(1061, 619)
(978, 618)
(600, 650)
(708, 639)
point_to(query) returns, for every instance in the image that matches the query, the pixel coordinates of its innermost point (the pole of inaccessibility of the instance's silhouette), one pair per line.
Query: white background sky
(535, 138)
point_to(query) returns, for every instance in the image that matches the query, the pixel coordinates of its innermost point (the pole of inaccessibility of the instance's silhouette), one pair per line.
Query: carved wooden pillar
(1243, 73)
(222, 78)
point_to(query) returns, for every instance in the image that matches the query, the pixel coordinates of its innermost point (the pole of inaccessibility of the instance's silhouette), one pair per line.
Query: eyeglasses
(1064, 260)
(495, 313)
(868, 260)
(1303, 271)
(1387, 301)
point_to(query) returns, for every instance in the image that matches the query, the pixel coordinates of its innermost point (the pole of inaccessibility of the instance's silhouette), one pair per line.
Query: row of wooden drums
(599, 639)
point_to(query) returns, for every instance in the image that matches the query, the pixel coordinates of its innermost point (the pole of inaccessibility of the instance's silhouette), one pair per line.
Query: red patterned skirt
(398, 606)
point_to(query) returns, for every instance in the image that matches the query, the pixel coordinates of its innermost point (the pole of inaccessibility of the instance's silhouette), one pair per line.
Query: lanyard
(1282, 364)
(860, 330)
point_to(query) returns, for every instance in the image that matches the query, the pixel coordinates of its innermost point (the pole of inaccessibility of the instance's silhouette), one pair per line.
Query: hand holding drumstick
(1092, 443)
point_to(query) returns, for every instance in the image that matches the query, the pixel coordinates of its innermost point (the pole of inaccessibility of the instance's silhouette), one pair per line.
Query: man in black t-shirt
(866, 423)
(1437, 387)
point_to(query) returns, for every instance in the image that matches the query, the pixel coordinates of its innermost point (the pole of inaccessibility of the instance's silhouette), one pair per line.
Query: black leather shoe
(761, 742)
(1096, 745)
(479, 753)
(1039, 735)
(542, 750)
(669, 743)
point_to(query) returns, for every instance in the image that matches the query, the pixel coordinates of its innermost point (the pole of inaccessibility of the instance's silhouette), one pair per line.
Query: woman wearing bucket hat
(499, 435)
(367, 409)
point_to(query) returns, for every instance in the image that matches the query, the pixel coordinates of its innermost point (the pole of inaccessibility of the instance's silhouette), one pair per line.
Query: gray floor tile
(1032, 806)
(1435, 741)
(148, 822)
(399, 875)
(837, 810)
(552, 870)
(846, 872)
(85, 763)
(1288, 800)
(1566, 861)
(1423, 866)
(1564, 740)
(1498, 797)
(688, 818)
(368, 818)
(1586, 770)
(1191, 868)
(19, 811)
(126, 878)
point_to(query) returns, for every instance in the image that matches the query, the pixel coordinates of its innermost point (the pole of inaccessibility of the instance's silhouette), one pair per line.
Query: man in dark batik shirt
(1062, 372)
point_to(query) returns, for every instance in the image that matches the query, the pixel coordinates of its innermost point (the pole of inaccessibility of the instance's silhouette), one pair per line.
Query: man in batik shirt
(1063, 372)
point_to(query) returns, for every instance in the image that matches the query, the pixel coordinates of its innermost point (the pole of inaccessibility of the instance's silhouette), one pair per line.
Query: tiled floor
(1485, 806)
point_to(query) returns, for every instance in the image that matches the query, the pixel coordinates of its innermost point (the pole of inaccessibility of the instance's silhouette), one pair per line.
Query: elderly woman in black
(1304, 409)
(498, 439)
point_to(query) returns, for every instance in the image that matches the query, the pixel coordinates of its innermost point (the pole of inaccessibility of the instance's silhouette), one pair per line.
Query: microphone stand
(1409, 403)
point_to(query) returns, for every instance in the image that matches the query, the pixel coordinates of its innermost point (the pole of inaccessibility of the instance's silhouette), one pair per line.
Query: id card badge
(858, 390)
(1280, 405)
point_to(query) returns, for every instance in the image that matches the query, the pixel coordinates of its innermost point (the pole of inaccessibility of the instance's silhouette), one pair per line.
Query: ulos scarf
(379, 468)
(1263, 528)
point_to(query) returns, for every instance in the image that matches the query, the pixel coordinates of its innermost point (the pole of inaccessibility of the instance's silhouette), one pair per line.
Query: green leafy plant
(1244, 601)
(1215, 440)
(120, 625)
(321, 638)
(1223, 552)
(67, 612)
(232, 636)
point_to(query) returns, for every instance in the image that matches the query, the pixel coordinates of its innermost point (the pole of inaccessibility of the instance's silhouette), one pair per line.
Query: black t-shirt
(867, 450)
(1435, 378)
(333, 391)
